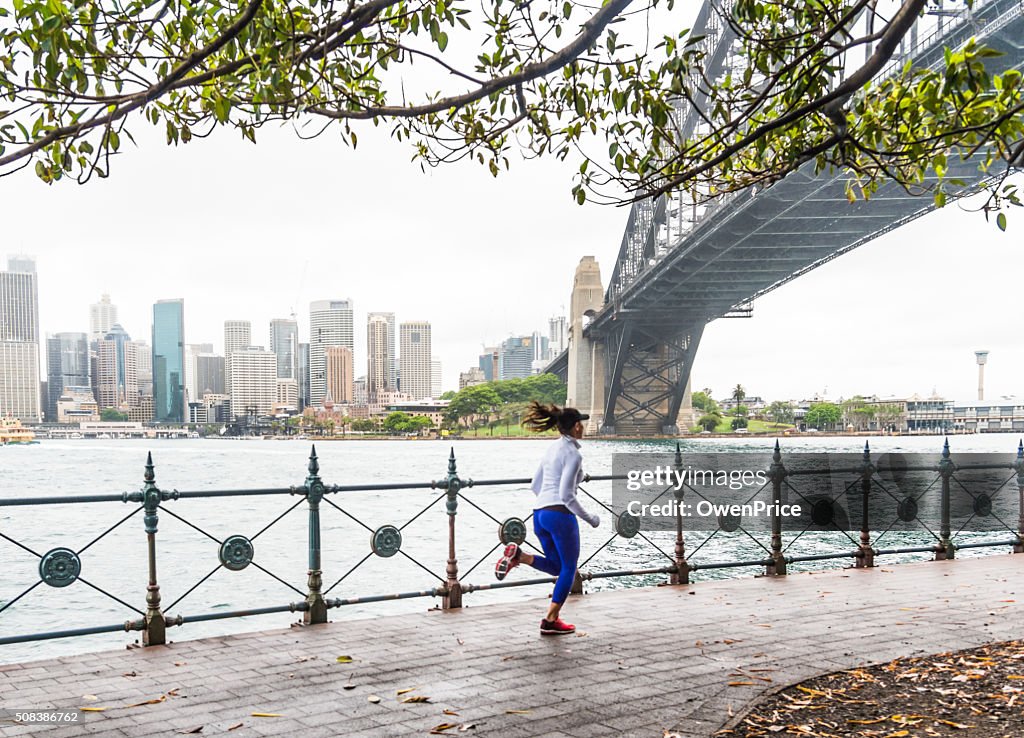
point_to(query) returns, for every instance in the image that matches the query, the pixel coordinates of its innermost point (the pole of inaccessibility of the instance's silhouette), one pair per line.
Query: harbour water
(187, 551)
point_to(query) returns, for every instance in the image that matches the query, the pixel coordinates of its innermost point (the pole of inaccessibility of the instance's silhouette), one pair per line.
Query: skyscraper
(237, 335)
(102, 317)
(144, 368)
(67, 365)
(558, 335)
(169, 361)
(517, 354)
(253, 381)
(209, 375)
(380, 348)
(435, 377)
(193, 392)
(489, 363)
(116, 379)
(414, 359)
(338, 360)
(303, 376)
(330, 324)
(284, 342)
(19, 341)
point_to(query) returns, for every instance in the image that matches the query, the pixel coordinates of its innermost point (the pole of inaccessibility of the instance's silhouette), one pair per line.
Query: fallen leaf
(406, 690)
(741, 684)
(373, 698)
(439, 729)
(344, 659)
(94, 698)
(349, 686)
(154, 701)
(517, 712)
(236, 726)
(197, 729)
(130, 674)
(92, 709)
(467, 726)
(266, 714)
(180, 663)
(416, 698)
(450, 712)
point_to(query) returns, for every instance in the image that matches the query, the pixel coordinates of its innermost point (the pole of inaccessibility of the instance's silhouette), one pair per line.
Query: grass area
(755, 426)
(502, 431)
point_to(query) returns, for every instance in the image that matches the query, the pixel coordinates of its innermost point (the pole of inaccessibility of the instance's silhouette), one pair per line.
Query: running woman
(556, 509)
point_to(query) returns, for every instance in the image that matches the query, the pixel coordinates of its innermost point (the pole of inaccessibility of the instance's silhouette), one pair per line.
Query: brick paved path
(650, 659)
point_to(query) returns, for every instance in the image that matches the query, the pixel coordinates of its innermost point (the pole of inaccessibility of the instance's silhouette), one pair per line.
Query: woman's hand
(594, 520)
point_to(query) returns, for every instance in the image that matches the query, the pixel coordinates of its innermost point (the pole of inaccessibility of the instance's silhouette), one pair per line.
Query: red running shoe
(557, 627)
(509, 560)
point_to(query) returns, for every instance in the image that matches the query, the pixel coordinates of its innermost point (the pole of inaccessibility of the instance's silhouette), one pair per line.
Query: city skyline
(901, 314)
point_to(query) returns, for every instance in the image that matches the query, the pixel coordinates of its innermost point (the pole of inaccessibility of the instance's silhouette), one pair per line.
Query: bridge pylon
(585, 382)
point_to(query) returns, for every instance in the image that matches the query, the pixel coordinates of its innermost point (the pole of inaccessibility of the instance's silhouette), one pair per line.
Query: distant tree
(780, 412)
(363, 425)
(888, 413)
(858, 413)
(739, 422)
(448, 395)
(709, 421)
(741, 410)
(738, 393)
(823, 414)
(702, 401)
(112, 415)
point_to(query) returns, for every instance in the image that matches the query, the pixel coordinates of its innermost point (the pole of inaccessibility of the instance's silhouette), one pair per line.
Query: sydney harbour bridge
(633, 342)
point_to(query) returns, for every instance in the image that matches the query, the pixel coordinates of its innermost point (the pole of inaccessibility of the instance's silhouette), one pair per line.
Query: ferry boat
(11, 432)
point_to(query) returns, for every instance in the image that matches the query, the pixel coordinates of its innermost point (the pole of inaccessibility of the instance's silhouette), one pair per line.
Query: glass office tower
(169, 361)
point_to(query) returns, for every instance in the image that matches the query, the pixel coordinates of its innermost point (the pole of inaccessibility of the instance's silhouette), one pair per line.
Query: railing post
(682, 573)
(453, 587)
(1018, 547)
(777, 473)
(155, 632)
(945, 549)
(865, 554)
(316, 611)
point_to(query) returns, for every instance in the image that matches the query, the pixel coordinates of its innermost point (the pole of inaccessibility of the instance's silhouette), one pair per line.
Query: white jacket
(557, 477)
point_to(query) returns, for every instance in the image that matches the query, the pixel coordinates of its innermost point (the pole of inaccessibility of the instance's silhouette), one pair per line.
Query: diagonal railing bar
(424, 568)
(797, 537)
(477, 507)
(749, 535)
(345, 575)
(482, 559)
(975, 498)
(834, 526)
(109, 530)
(881, 484)
(702, 543)
(191, 525)
(415, 517)
(195, 586)
(21, 545)
(11, 602)
(269, 525)
(347, 514)
(274, 576)
(656, 547)
(600, 548)
(102, 591)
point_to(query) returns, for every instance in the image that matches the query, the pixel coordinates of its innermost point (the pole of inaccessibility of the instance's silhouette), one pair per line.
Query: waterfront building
(67, 365)
(990, 416)
(284, 342)
(380, 353)
(414, 359)
(471, 377)
(237, 335)
(753, 403)
(169, 361)
(253, 381)
(102, 317)
(143, 411)
(436, 380)
(76, 404)
(19, 341)
(388, 399)
(212, 408)
(303, 363)
(330, 324)
(432, 409)
(116, 379)
(338, 364)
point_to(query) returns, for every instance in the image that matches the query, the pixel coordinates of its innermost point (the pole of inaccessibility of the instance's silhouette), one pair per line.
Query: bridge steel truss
(663, 290)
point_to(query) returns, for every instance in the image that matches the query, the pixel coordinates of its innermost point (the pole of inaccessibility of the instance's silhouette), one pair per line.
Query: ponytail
(540, 418)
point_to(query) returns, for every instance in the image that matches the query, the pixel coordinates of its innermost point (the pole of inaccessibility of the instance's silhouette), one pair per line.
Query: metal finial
(777, 453)
(945, 449)
(314, 463)
(1020, 449)
(149, 476)
(451, 461)
(679, 455)
(867, 449)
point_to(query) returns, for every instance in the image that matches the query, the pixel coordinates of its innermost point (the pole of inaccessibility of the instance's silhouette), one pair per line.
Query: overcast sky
(257, 232)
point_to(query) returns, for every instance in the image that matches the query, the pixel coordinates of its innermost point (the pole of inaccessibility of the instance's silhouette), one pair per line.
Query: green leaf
(1001, 221)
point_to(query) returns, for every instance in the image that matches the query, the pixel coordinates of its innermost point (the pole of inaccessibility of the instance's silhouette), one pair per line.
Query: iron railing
(62, 566)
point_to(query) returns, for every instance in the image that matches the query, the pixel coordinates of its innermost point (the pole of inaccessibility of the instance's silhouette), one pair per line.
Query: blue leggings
(559, 536)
